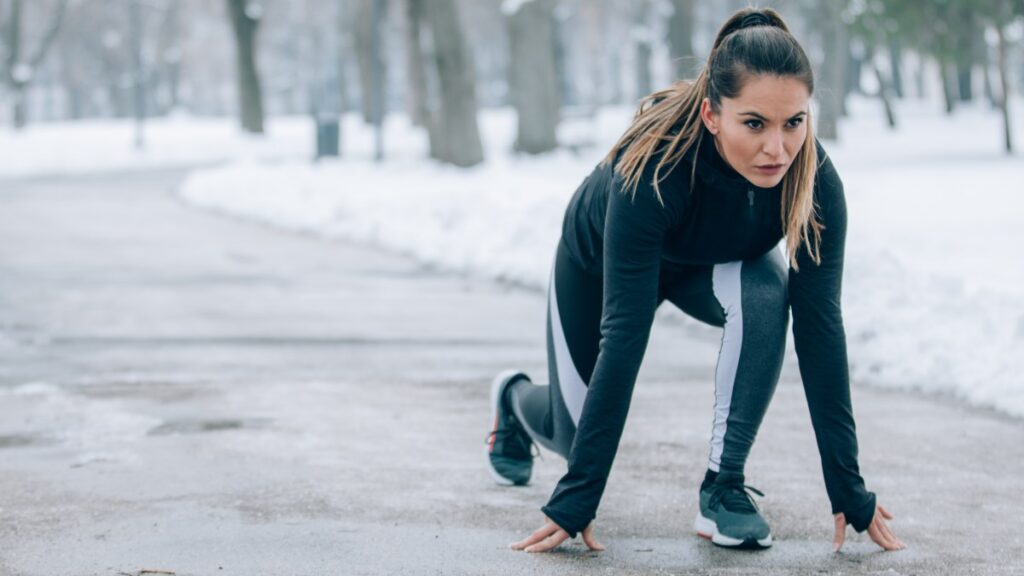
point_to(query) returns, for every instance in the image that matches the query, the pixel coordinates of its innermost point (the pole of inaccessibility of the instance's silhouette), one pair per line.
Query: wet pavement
(183, 392)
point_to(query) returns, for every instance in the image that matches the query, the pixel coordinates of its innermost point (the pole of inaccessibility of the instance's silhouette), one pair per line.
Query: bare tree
(416, 63)
(1000, 15)
(534, 79)
(1004, 100)
(245, 19)
(170, 54)
(895, 50)
(455, 136)
(344, 48)
(643, 46)
(831, 72)
(680, 38)
(19, 65)
(366, 32)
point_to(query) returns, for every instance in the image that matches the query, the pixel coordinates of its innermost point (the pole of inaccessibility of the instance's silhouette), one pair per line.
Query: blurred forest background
(441, 61)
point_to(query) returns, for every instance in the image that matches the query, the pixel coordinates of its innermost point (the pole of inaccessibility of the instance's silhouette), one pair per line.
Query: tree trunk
(565, 87)
(842, 60)
(415, 63)
(344, 49)
(896, 67)
(534, 80)
(948, 85)
(680, 38)
(138, 74)
(985, 63)
(365, 34)
(884, 92)
(642, 46)
(245, 23)
(19, 105)
(963, 77)
(170, 51)
(966, 29)
(831, 73)
(854, 66)
(458, 138)
(615, 93)
(19, 72)
(1004, 80)
(11, 71)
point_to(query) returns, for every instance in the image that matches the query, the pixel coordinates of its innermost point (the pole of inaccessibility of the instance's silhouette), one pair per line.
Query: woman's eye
(795, 122)
(753, 124)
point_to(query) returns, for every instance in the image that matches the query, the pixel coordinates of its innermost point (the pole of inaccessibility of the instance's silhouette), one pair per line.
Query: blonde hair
(751, 42)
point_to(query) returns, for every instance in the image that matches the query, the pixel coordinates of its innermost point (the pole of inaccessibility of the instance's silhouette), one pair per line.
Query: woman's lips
(770, 169)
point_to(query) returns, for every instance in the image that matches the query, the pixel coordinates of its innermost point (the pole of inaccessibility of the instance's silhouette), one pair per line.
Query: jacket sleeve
(634, 231)
(820, 341)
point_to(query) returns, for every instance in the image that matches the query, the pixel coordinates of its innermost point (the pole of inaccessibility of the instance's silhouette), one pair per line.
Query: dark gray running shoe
(728, 517)
(509, 447)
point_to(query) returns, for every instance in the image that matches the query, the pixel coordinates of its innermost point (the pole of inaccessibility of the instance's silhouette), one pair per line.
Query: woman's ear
(707, 114)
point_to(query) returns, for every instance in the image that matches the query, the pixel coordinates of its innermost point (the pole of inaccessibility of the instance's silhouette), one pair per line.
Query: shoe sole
(499, 382)
(708, 529)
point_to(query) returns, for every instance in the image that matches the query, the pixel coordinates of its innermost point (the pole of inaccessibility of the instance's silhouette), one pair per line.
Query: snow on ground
(92, 146)
(932, 296)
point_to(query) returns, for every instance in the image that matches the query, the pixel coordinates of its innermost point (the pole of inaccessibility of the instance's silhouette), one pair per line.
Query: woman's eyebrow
(760, 117)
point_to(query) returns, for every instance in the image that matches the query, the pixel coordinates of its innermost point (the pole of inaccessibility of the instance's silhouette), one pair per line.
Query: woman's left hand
(550, 535)
(878, 530)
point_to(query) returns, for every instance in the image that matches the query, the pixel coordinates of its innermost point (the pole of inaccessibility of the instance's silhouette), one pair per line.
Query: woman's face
(760, 132)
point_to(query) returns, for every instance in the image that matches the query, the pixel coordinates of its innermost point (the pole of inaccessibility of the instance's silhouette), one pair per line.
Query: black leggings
(748, 299)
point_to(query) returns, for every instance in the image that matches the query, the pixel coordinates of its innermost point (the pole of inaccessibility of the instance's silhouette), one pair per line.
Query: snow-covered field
(933, 292)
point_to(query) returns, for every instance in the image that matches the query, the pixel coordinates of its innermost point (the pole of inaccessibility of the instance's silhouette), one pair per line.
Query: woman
(689, 206)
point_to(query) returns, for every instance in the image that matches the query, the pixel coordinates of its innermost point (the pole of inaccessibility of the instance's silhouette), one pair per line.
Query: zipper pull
(750, 196)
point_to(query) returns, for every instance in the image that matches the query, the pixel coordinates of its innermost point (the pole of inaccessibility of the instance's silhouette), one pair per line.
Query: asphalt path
(180, 391)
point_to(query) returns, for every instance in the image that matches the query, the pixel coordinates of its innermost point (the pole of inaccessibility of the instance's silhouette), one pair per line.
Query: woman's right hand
(550, 535)
(879, 531)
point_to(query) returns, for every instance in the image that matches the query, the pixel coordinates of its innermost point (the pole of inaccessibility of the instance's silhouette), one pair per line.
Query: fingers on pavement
(882, 536)
(840, 537)
(590, 541)
(538, 536)
(550, 542)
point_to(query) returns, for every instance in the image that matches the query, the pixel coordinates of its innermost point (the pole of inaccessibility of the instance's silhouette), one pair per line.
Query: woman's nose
(772, 145)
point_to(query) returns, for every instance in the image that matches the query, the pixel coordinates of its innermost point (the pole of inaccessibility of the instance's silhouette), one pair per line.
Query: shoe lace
(500, 433)
(734, 497)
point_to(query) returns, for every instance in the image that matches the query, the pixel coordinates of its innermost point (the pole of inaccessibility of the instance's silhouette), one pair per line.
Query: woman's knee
(766, 283)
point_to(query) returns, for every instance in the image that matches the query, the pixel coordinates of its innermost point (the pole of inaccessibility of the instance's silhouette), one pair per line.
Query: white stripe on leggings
(573, 389)
(725, 282)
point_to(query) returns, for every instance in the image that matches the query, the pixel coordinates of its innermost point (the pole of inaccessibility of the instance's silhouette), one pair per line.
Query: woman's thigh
(692, 291)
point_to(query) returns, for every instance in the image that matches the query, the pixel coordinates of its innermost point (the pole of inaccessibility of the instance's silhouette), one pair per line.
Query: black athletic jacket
(631, 242)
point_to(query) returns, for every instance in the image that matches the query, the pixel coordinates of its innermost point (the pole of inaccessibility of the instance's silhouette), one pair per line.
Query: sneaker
(509, 447)
(729, 517)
